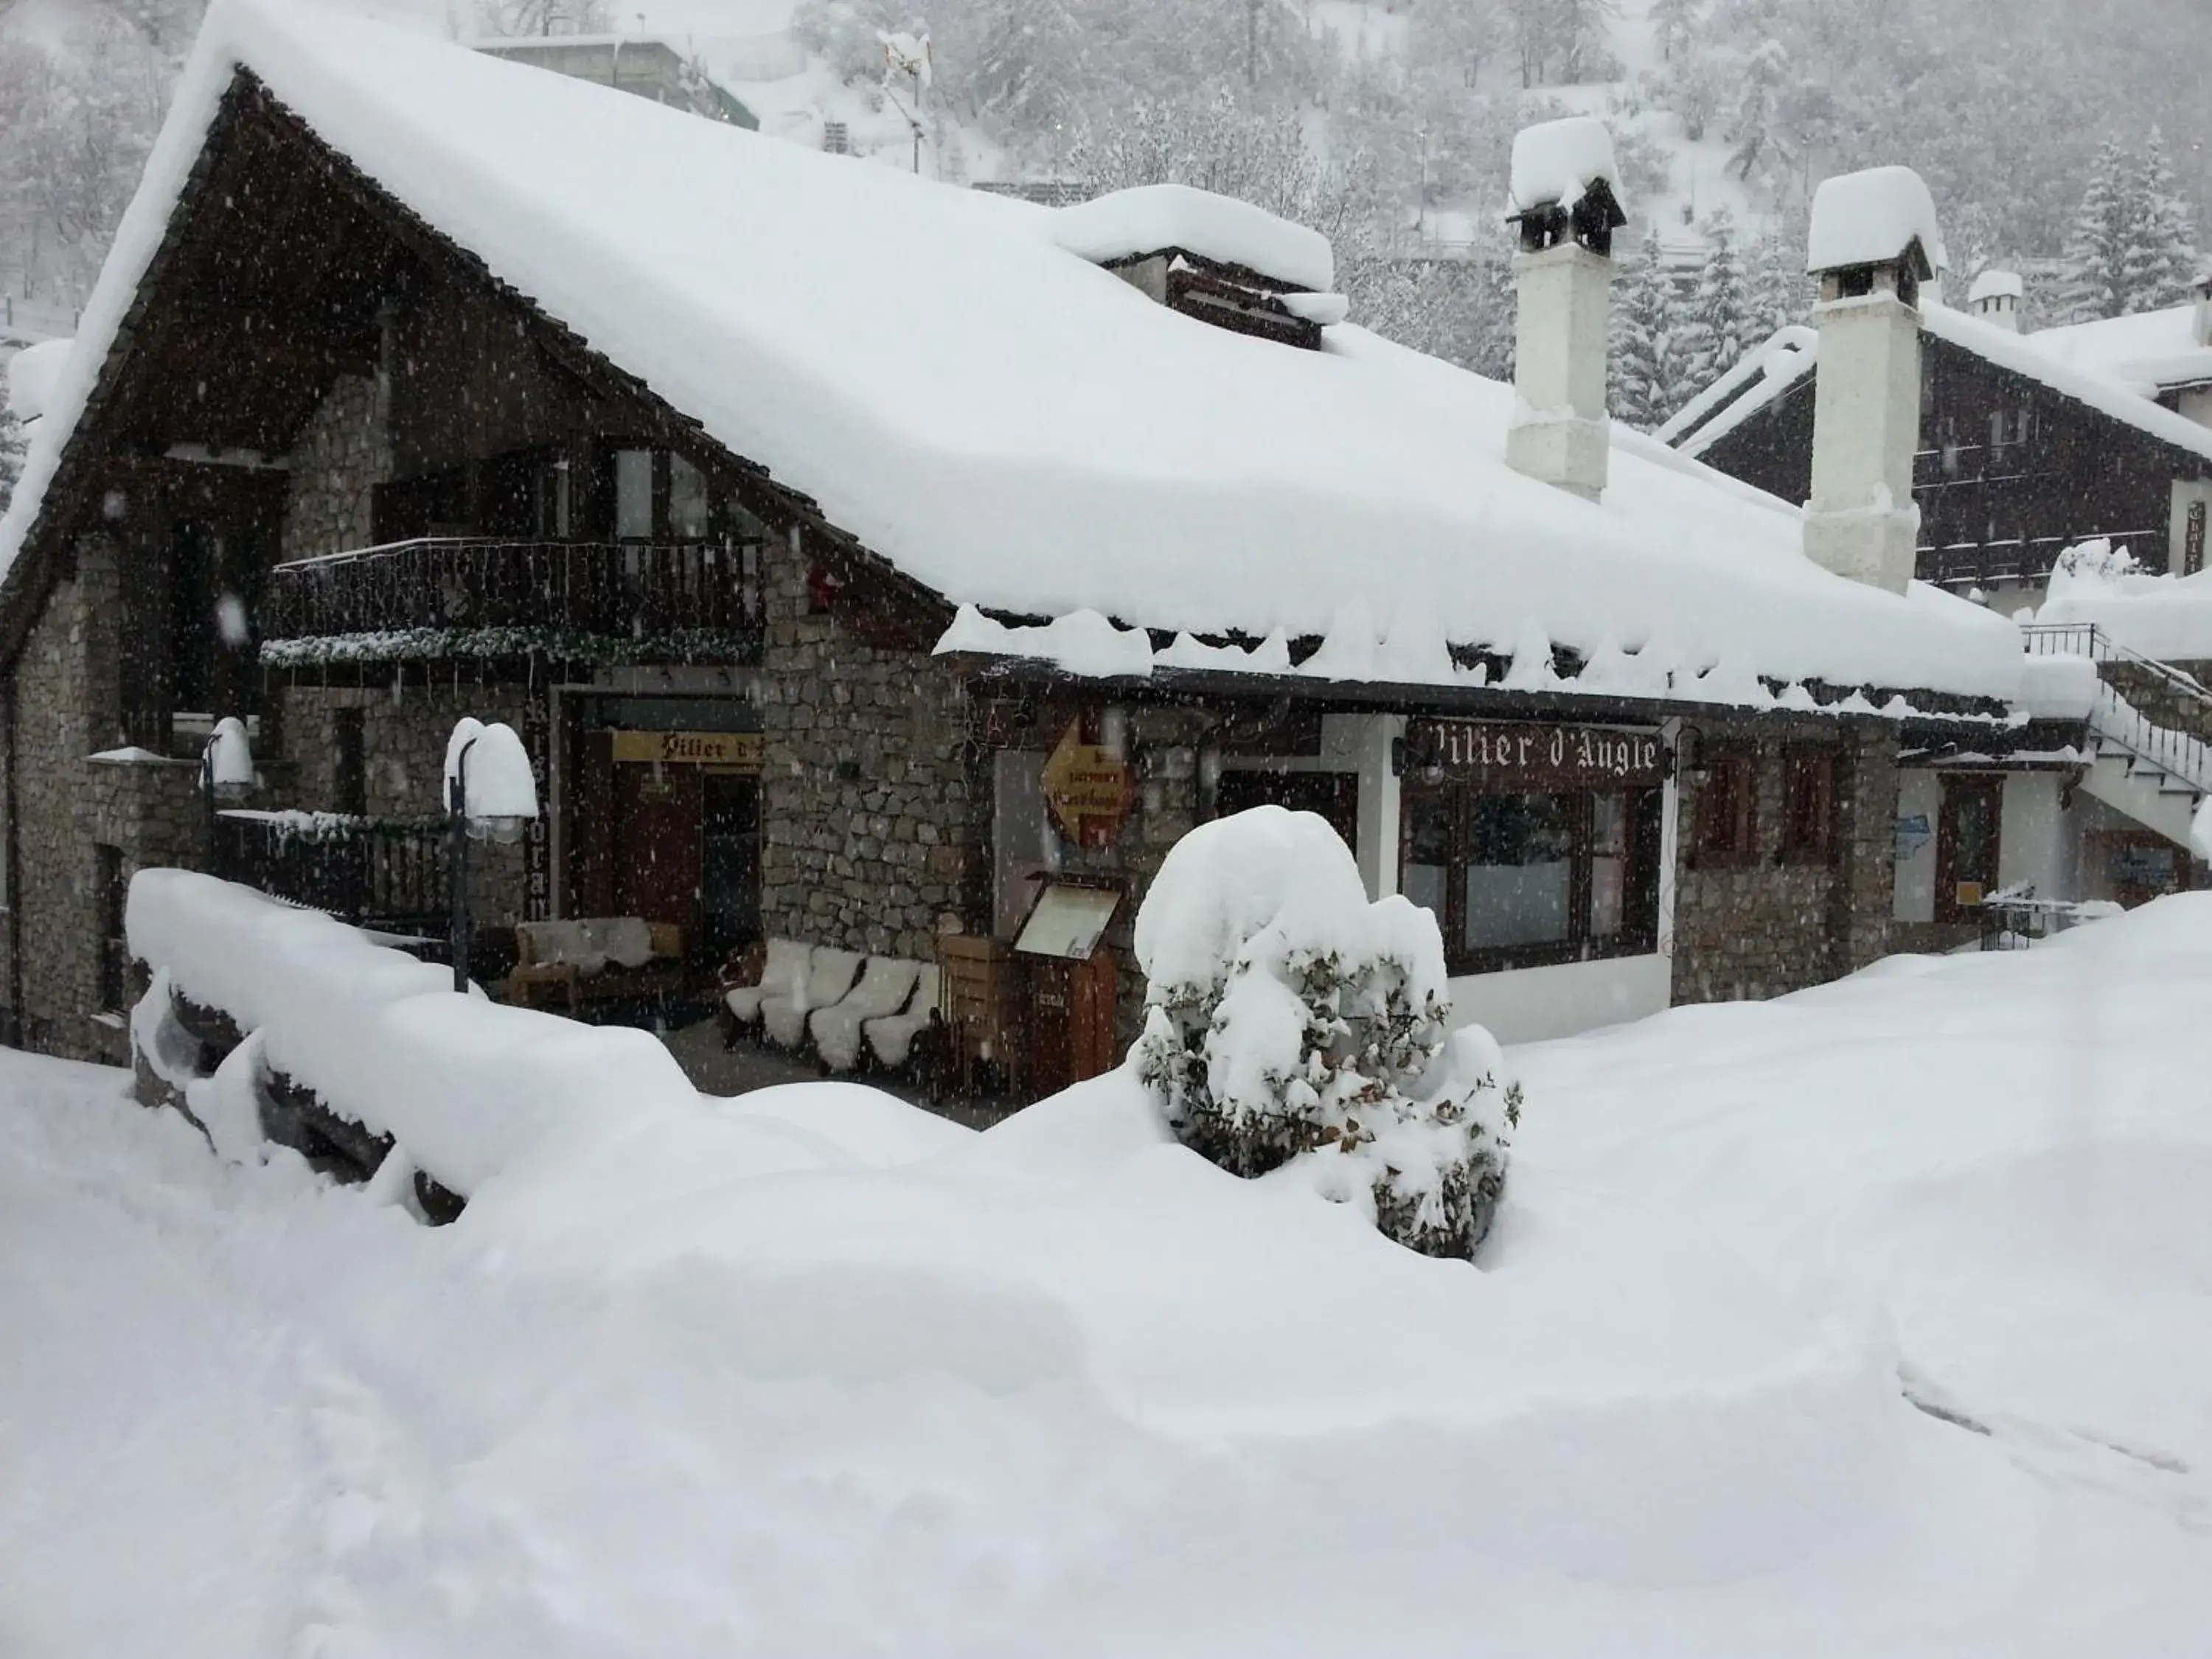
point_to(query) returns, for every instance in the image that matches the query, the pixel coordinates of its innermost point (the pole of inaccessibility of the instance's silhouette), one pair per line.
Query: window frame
(1811, 839)
(1638, 934)
(1739, 848)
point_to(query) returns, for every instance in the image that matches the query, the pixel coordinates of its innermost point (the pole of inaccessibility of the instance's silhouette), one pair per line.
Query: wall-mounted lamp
(1422, 755)
(1689, 755)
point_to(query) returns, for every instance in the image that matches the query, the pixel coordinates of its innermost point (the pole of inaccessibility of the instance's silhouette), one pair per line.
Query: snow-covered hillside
(1872, 1320)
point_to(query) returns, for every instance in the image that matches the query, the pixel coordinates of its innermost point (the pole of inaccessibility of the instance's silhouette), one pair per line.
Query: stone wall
(67, 805)
(1766, 927)
(874, 824)
(341, 456)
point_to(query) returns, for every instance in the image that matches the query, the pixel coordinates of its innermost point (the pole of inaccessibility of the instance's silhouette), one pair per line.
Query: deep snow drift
(814, 1373)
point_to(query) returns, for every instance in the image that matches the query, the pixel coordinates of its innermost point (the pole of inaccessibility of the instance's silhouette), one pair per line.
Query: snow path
(712, 1390)
(150, 1421)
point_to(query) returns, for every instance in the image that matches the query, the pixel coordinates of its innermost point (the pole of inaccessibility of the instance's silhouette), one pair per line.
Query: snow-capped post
(225, 777)
(1874, 241)
(1565, 206)
(1292, 1026)
(491, 794)
(1995, 297)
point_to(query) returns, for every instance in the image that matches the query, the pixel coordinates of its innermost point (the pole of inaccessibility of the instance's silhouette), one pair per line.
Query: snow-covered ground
(814, 1373)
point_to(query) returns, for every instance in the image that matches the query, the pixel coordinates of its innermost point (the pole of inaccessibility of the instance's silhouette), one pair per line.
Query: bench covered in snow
(597, 956)
(849, 1005)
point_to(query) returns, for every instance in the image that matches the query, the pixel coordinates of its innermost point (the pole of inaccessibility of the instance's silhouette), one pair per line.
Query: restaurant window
(1809, 806)
(1521, 878)
(1728, 808)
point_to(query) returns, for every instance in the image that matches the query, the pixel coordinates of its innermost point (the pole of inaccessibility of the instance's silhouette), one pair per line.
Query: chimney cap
(1556, 163)
(1880, 217)
(1996, 284)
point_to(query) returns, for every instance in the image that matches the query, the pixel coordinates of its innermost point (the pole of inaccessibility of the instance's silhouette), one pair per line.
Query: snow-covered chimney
(2204, 307)
(1874, 241)
(1566, 204)
(1995, 297)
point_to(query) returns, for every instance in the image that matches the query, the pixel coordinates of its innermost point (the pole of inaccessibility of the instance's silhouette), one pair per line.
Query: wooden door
(657, 840)
(1968, 835)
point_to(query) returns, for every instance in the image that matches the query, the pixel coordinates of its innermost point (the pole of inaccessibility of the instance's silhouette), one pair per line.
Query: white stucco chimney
(1995, 297)
(1873, 242)
(2204, 307)
(1566, 205)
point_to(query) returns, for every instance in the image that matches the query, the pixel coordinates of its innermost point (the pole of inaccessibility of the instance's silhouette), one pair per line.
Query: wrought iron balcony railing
(537, 592)
(387, 874)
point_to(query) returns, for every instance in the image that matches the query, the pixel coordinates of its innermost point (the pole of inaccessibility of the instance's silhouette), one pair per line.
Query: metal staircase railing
(2115, 723)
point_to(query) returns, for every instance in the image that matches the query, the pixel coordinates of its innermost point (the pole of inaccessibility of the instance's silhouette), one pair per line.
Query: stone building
(859, 558)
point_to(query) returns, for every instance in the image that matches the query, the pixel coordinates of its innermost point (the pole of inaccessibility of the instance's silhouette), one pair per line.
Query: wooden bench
(547, 968)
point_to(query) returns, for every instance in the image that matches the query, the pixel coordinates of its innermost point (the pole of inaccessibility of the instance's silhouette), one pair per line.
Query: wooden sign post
(1090, 794)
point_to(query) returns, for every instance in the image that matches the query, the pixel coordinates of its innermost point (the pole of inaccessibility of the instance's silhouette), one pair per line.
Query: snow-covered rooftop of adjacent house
(1016, 429)
(1869, 217)
(1995, 284)
(1555, 161)
(2021, 354)
(2145, 352)
(1153, 218)
(29, 378)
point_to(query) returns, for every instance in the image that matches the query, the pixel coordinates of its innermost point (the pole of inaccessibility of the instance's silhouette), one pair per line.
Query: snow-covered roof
(1995, 284)
(1555, 161)
(2148, 351)
(1009, 425)
(1154, 217)
(2021, 354)
(30, 375)
(1870, 217)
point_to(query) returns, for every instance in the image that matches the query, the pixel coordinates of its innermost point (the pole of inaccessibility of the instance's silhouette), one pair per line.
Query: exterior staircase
(2153, 767)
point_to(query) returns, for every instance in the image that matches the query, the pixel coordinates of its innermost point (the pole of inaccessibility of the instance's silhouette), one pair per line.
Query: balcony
(385, 873)
(473, 596)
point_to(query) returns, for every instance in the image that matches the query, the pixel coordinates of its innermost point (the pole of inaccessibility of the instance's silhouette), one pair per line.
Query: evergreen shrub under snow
(1294, 1026)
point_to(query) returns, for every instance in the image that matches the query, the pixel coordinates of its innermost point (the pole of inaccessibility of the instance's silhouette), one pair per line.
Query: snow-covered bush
(1293, 1024)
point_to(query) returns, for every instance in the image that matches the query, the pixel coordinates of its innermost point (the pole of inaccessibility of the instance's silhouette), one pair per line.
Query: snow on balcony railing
(528, 591)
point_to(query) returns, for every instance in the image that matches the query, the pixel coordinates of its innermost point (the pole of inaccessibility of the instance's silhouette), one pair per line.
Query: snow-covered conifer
(1642, 392)
(1675, 25)
(2096, 245)
(1293, 1025)
(1715, 333)
(2160, 256)
(1777, 292)
(12, 446)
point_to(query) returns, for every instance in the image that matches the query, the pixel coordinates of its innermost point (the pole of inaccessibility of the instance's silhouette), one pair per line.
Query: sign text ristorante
(1536, 756)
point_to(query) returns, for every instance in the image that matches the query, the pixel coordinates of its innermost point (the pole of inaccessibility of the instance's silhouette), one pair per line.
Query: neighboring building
(2022, 446)
(852, 551)
(2028, 445)
(638, 65)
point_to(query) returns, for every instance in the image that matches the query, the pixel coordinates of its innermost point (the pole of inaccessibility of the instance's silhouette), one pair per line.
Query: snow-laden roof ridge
(1792, 336)
(1006, 425)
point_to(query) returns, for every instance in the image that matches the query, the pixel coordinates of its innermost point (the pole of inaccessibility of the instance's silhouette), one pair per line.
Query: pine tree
(1715, 333)
(1674, 25)
(1777, 291)
(1642, 392)
(12, 446)
(2096, 247)
(2160, 256)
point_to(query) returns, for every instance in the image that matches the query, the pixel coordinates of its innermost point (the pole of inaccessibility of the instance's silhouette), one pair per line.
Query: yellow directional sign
(1089, 791)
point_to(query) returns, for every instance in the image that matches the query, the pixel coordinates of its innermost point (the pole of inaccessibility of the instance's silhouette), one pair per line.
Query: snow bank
(1153, 218)
(1554, 162)
(1871, 217)
(2165, 617)
(1004, 422)
(466, 1086)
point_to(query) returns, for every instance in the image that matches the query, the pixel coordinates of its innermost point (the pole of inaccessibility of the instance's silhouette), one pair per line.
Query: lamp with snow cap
(225, 775)
(491, 794)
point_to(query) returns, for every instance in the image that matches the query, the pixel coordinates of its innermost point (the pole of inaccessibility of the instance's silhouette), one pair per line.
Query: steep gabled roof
(1006, 423)
(1703, 423)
